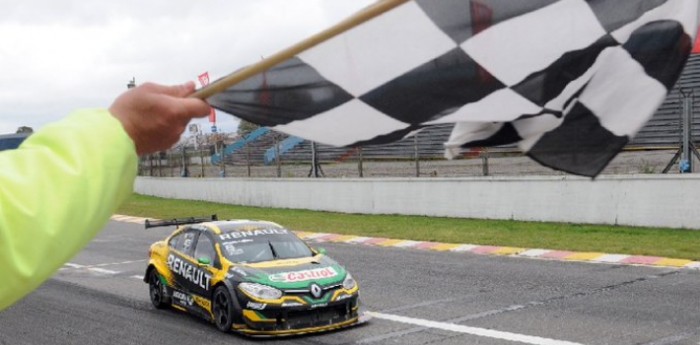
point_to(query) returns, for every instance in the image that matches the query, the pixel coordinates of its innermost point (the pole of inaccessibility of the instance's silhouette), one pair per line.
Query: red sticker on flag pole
(204, 78)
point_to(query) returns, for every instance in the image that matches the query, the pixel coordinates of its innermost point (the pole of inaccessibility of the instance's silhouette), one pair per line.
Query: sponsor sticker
(183, 298)
(292, 304)
(203, 302)
(186, 300)
(306, 275)
(234, 235)
(189, 271)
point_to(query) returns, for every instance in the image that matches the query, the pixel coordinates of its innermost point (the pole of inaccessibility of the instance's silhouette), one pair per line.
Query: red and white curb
(482, 250)
(503, 251)
(129, 219)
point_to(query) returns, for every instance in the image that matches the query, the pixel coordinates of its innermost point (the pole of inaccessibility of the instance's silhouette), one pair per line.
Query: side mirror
(321, 251)
(204, 261)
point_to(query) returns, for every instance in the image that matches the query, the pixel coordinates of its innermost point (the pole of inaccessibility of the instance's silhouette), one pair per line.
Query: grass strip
(671, 243)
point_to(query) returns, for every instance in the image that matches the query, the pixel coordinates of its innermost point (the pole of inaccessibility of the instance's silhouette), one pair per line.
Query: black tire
(222, 307)
(156, 290)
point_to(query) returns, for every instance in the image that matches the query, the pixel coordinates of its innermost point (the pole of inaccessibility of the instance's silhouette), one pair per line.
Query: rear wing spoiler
(179, 221)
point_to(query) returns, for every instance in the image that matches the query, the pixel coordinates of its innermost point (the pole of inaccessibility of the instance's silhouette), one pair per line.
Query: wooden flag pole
(264, 65)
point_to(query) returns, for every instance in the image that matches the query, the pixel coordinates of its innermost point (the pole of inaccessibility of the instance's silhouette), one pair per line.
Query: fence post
(278, 161)
(686, 164)
(359, 161)
(314, 161)
(201, 160)
(150, 165)
(485, 162)
(223, 160)
(247, 157)
(170, 163)
(185, 170)
(417, 157)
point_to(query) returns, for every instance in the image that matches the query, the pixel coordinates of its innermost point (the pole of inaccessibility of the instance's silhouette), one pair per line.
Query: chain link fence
(360, 162)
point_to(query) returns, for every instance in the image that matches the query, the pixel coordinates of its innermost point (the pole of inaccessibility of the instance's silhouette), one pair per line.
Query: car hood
(291, 274)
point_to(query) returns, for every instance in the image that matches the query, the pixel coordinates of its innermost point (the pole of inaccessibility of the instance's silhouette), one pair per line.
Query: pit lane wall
(641, 200)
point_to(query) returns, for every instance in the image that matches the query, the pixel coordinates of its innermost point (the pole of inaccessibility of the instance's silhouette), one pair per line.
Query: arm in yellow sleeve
(57, 191)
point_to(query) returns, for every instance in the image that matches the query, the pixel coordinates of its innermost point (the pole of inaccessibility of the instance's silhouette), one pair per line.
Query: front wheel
(223, 309)
(156, 290)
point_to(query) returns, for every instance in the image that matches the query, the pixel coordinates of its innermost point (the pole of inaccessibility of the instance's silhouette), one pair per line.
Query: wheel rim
(156, 296)
(221, 309)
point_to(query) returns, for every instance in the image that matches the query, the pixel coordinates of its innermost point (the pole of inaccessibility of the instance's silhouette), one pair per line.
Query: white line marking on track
(137, 277)
(117, 263)
(102, 270)
(72, 265)
(489, 333)
(97, 268)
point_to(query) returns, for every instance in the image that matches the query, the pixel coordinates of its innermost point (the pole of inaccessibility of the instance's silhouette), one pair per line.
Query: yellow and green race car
(253, 277)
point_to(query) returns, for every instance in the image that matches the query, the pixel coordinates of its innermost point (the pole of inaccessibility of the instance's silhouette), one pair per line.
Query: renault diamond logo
(316, 291)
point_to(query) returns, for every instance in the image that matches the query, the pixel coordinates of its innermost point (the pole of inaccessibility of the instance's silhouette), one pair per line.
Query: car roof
(242, 225)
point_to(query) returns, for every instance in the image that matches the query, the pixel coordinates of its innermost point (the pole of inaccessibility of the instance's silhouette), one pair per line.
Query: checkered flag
(569, 81)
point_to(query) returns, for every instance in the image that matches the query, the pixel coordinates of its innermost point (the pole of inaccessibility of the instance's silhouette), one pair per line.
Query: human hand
(155, 115)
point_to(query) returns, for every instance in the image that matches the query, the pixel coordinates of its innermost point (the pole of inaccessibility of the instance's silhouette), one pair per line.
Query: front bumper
(281, 321)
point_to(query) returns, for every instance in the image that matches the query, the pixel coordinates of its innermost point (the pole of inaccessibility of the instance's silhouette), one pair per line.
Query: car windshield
(250, 249)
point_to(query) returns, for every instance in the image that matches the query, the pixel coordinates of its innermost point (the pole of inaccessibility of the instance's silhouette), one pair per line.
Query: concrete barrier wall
(643, 200)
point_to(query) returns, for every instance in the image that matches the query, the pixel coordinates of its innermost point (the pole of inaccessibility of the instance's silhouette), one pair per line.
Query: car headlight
(260, 291)
(349, 282)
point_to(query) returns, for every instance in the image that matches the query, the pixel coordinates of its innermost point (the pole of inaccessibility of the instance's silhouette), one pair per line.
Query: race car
(249, 276)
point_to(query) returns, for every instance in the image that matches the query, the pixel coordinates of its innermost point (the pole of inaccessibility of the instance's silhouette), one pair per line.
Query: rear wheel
(222, 304)
(156, 290)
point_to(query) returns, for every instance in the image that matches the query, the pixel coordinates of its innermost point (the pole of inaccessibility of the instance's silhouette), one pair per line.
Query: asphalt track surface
(415, 296)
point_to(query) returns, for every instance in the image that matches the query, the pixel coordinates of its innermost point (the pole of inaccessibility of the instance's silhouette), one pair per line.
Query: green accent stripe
(261, 316)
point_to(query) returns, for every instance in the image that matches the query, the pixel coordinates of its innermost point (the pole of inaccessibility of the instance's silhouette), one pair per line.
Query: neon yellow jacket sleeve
(57, 191)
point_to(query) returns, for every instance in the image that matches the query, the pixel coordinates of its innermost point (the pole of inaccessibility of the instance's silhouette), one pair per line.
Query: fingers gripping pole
(234, 78)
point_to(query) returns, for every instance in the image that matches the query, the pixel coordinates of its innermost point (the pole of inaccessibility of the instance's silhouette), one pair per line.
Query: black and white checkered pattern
(570, 81)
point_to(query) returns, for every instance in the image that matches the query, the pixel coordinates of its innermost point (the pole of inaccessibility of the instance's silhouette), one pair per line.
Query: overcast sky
(57, 56)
